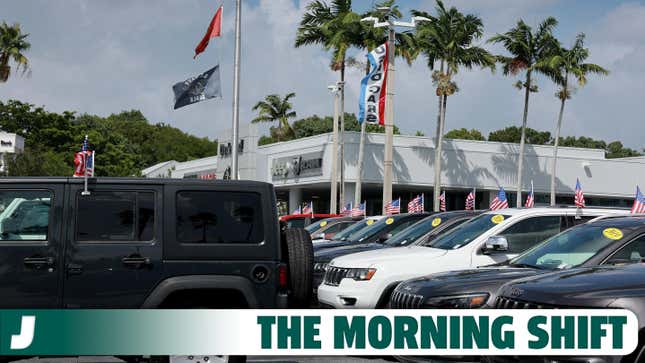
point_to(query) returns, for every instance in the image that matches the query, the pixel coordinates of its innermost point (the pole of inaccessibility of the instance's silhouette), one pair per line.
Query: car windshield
(375, 228)
(414, 232)
(467, 232)
(316, 225)
(345, 233)
(568, 249)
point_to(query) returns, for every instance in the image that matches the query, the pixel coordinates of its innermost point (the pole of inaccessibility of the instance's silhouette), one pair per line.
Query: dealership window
(531, 231)
(115, 216)
(24, 215)
(219, 217)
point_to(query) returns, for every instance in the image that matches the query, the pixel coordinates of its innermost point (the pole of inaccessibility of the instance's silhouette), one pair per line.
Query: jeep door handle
(38, 262)
(135, 261)
(74, 269)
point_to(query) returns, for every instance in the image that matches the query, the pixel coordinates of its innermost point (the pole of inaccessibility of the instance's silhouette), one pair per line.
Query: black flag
(206, 85)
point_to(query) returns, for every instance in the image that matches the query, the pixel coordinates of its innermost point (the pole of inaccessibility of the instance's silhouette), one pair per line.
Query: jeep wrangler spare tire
(300, 261)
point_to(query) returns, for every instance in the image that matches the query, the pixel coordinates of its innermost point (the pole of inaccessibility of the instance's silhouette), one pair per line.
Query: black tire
(301, 261)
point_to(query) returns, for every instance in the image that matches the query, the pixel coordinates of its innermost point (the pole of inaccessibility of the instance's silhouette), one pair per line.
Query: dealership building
(301, 170)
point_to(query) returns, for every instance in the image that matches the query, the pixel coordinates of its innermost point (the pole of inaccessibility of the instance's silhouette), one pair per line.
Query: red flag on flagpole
(214, 30)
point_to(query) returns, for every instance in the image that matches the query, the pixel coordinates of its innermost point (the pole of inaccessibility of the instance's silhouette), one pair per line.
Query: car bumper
(350, 294)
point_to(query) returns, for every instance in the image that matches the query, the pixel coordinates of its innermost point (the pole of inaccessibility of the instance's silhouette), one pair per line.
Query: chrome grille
(503, 302)
(404, 300)
(334, 275)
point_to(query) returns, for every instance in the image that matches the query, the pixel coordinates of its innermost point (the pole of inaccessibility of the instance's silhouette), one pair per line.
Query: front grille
(503, 302)
(404, 300)
(334, 275)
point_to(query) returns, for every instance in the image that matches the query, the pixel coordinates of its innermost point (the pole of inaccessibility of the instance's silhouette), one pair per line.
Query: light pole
(236, 92)
(390, 23)
(333, 200)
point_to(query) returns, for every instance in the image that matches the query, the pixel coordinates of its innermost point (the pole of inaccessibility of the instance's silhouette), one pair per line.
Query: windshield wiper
(520, 265)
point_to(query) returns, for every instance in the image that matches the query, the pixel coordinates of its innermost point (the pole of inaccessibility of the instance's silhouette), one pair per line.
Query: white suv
(366, 279)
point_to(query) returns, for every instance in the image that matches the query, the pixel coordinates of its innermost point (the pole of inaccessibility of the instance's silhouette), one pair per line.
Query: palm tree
(568, 62)
(12, 45)
(448, 39)
(335, 27)
(528, 50)
(274, 108)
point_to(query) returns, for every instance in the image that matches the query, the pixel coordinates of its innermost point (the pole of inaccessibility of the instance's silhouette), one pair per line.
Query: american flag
(579, 199)
(442, 201)
(470, 200)
(346, 210)
(308, 208)
(416, 205)
(500, 201)
(297, 210)
(84, 160)
(639, 202)
(359, 211)
(393, 207)
(530, 199)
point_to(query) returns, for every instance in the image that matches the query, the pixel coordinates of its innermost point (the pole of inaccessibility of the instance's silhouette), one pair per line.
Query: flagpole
(474, 199)
(85, 191)
(236, 91)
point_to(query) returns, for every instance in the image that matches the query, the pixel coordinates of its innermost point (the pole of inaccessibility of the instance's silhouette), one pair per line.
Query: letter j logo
(26, 335)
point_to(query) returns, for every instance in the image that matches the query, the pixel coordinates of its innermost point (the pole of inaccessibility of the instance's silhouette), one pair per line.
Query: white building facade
(301, 170)
(10, 145)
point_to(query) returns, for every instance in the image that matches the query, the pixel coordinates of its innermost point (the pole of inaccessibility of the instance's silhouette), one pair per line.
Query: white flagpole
(474, 199)
(85, 191)
(236, 91)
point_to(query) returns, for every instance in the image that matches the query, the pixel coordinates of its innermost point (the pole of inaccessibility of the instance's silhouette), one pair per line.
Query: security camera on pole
(389, 100)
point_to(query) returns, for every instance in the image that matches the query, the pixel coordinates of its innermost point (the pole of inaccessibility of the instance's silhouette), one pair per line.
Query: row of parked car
(556, 257)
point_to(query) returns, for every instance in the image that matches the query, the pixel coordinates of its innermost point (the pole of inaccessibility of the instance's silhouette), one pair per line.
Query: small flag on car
(393, 207)
(530, 199)
(442, 201)
(579, 198)
(84, 161)
(346, 210)
(416, 205)
(639, 202)
(470, 200)
(308, 208)
(500, 201)
(359, 211)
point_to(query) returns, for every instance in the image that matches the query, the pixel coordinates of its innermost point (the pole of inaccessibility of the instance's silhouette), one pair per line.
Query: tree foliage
(465, 134)
(13, 44)
(125, 143)
(514, 133)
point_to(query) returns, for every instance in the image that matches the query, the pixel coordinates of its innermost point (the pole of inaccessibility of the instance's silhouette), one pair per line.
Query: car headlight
(470, 301)
(320, 267)
(360, 274)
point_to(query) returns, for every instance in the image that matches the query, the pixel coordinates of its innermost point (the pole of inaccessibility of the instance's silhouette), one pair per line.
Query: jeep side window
(219, 217)
(24, 215)
(115, 216)
(632, 253)
(531, 231)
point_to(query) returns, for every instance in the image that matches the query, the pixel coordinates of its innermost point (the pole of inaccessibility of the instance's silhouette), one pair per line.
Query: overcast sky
(103, 56)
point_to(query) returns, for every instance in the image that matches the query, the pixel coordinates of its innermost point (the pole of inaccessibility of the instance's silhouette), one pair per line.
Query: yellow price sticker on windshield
(323, 223)
(613, 233)
(497, 219)
(389, 220)
(436, 222)
(369, 222)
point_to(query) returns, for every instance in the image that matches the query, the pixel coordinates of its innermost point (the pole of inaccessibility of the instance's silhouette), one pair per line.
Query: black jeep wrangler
(148, 243)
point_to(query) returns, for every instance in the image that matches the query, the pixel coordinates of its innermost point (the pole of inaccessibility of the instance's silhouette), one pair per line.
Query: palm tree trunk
(342, 134)
(556, 143)
(361, 155)
(437, 152)
(520, 163)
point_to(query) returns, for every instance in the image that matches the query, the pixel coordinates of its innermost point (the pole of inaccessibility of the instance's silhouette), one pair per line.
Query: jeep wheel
(300, 260)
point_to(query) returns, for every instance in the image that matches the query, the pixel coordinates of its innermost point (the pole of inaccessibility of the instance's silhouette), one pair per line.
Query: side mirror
(319, 236)
(495, 244)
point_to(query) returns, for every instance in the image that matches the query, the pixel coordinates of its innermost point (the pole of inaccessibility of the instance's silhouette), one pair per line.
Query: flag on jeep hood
(206, 85)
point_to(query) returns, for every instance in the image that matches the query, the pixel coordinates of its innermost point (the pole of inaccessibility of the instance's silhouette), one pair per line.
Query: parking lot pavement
(278, 359)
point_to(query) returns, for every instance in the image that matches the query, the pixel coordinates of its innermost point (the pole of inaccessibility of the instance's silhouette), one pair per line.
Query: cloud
(106, 56)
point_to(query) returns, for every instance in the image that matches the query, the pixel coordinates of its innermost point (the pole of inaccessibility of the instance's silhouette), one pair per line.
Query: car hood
(581, 287)
(397, 255)
(485, 279)
(328, 254)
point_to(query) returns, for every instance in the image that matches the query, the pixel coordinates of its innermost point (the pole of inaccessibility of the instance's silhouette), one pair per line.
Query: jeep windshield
(568, 249)
(467, 232)
(374, 229)
(413, 232)
(345, 233)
